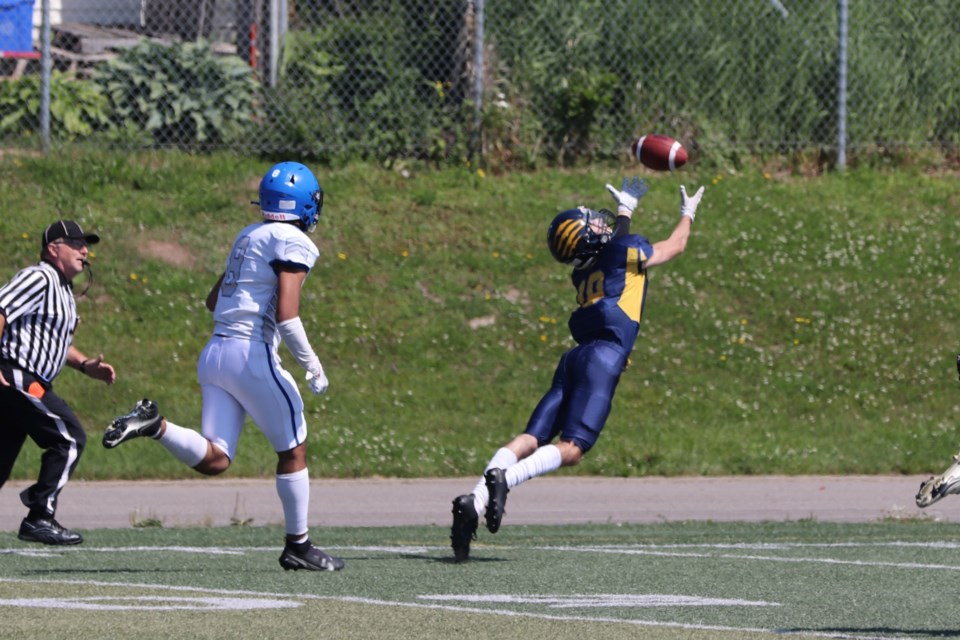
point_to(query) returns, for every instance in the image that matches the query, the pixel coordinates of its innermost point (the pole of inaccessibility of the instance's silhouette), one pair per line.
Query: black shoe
(496, 480)
(47, 531)
(464, 527)
(144, 420)
(308, 557)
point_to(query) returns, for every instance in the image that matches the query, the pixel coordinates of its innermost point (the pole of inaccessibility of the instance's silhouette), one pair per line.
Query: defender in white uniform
(256, 305)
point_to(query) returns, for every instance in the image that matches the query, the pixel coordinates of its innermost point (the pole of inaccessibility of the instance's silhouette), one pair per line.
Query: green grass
(801, 579)
(811, 327)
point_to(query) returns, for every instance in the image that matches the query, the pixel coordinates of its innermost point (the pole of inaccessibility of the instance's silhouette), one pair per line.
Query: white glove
(629, 195)
(689, 204)
(318, 382)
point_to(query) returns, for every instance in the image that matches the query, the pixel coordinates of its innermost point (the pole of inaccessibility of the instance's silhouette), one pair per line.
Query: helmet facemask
(598, 231)
(310, 215)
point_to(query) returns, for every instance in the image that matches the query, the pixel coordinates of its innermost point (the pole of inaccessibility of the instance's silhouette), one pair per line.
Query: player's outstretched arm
(668, 249)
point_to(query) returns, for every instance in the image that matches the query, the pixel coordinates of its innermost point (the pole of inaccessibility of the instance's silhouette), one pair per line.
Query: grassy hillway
(811, 327)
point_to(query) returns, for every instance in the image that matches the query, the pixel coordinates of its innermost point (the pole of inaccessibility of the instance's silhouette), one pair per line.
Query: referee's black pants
(29, 407)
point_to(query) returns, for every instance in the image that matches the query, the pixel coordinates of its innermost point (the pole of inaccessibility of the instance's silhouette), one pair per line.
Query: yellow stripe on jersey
(634, 284)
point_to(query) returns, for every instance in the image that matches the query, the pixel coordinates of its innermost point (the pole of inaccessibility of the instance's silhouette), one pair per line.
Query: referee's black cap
(68, 229)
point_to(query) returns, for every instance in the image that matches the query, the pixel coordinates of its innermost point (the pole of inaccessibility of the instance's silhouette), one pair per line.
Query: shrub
(180, 94)
(77, 107)
(356, 89)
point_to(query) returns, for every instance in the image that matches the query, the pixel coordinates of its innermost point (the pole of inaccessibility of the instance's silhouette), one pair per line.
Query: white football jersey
(247, 304)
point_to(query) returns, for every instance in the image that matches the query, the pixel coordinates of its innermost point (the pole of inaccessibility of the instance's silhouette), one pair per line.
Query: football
(659, 152)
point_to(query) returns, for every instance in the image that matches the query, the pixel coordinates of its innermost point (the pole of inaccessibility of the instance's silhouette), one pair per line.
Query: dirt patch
(170, 252)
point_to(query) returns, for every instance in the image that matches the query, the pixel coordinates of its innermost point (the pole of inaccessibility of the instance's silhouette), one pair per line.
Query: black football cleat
(308, 557)
(464, 529)
(47, 531)
(143, 421)
(496, 480)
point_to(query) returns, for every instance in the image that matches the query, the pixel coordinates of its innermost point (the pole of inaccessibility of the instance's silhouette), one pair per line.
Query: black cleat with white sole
(143, 421)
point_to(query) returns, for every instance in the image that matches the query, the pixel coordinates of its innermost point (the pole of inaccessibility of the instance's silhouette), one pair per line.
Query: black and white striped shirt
(41, 318)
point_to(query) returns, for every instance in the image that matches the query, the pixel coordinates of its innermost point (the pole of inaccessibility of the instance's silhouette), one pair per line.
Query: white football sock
(502, 459)
(294, 492)
(186, 445)
(544, 460)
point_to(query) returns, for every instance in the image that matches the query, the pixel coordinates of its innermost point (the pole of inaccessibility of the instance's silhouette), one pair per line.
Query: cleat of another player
(464, 529)
(496, 481)
(143, 421)
(940, 486)
(312, 559)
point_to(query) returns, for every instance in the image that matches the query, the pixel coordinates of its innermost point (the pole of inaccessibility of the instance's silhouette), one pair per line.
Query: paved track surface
(548, 500)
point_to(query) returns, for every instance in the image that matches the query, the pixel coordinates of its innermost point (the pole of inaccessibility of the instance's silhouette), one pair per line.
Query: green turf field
(674, 581)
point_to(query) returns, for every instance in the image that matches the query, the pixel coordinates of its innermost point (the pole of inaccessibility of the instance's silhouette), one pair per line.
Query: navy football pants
(579, 399)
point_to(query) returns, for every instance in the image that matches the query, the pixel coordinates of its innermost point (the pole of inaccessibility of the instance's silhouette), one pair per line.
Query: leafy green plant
(576, 107)
(181, 94)
(354, 89)
(77, 107)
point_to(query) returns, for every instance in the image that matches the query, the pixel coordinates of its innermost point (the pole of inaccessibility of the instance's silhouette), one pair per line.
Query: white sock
(502, 459)
(294, 491)
(544, 460)
(186, 445)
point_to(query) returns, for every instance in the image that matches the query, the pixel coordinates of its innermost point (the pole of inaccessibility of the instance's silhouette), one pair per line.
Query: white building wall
(123, 13)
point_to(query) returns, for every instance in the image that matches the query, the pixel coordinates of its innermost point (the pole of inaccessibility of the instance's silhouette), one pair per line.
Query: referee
(38, 317)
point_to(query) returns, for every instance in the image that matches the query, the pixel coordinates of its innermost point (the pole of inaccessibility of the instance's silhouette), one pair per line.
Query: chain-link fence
(505, 81)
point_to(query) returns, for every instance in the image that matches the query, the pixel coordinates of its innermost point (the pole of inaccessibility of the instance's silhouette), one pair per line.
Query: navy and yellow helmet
(576, 235)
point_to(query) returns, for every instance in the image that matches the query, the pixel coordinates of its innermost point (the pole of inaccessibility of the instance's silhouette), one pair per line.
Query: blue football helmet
(289, 192)
(576, 236)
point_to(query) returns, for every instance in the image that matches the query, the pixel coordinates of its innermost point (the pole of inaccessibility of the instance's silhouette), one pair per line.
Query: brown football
(659, 152)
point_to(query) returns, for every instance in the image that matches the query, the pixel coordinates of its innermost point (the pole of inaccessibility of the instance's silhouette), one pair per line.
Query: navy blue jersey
(611, 293)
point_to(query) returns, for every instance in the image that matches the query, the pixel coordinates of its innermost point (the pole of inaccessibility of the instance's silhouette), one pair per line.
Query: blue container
(16, 25)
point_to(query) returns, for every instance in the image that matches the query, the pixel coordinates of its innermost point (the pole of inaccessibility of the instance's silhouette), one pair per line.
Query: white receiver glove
(689, 204)
(318, 382)
(629, 194)
(293, 335)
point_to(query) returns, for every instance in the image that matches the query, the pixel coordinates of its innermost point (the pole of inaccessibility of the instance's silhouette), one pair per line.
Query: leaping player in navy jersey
(609, 275)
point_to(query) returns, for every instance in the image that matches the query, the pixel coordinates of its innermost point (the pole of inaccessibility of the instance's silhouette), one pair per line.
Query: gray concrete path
(548, 500)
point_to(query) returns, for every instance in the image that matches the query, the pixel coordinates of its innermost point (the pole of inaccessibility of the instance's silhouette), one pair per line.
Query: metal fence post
(278, 29)
(842, 87)
(46, 66)
(478, 37)
(274, 44)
